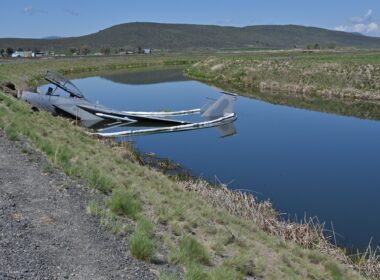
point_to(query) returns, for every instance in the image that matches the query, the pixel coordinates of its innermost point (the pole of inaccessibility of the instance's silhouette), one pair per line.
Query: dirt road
(45, 232)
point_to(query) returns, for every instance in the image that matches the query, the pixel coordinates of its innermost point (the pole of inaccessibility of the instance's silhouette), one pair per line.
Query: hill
(190, 36)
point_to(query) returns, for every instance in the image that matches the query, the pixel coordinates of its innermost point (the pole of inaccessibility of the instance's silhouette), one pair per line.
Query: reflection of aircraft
(72, 103)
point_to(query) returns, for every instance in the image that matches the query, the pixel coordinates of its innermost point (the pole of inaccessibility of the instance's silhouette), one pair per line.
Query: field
(346, 83)
(212, 233)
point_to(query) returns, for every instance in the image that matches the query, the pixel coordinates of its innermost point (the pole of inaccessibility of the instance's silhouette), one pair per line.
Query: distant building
(24, 54)
(40, 54)
(147, 51)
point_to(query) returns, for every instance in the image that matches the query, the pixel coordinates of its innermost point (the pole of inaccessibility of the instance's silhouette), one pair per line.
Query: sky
(42, 18)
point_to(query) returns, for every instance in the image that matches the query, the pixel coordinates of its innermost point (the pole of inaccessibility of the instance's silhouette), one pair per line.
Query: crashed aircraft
(65, 99)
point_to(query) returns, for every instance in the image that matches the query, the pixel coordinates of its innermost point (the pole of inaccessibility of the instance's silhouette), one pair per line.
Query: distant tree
(9, 51)
(105, 50)
(316, 46)
(35, 50)
(85, 50)
(2, 52)
(20, 49)
(72, 51)
(331, 46)
(139, 50)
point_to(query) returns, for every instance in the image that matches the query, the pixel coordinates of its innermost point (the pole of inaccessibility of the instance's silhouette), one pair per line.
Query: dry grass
(327, 75)
(308, 233)
(234, 241)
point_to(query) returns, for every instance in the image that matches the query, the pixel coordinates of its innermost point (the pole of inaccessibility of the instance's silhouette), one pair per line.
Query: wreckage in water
(64, 98)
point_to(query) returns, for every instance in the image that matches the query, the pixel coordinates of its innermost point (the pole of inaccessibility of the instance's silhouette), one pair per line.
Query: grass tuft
(191, 251)
(168, 276)
(100, 181)
(334, 270)
(111, 222)
(224, 273)
(11, 133)
(93, 208)
(142, 242)
(194, 271)
(123, 202)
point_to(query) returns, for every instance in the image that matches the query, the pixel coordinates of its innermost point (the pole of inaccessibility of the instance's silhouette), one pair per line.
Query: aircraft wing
(124, 116)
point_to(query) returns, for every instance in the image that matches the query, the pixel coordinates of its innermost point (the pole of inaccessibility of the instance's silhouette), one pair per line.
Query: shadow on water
(149, 77)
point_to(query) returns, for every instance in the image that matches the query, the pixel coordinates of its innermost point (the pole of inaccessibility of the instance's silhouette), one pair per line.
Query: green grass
(11, 133)
(346, 83)
(108, 219)
(124, 202)
(194, 271)
(100, 181)
(112, 222)
(335, 270)
(168, 276)
(94, 208)
(141, 243)
(191, 251)
(224, 273)
(31, 72)
(134, 191)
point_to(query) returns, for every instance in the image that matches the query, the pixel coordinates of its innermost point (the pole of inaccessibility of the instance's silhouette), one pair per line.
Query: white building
(24, 54)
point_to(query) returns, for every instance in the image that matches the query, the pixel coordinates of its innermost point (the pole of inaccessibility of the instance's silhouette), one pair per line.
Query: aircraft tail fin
(220, 107)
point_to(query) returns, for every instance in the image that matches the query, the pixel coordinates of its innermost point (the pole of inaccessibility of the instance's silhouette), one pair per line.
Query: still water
(303, 161)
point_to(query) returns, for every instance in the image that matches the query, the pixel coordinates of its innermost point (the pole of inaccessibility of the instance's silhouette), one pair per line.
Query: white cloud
(366, 17)
(362, 24)
(340, 28)
(71, 12)
(372, 27)
(30, 10)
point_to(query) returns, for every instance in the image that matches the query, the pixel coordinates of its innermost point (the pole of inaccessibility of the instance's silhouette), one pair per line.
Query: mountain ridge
(170, 36)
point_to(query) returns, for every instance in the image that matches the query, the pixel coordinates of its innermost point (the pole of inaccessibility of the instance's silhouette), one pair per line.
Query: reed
(309, 233)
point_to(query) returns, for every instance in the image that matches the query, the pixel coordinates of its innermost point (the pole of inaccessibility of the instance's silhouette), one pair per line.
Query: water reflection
(303, 161)
(149, 77)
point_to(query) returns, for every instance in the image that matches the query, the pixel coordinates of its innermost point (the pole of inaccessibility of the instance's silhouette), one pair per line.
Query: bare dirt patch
(45, 232)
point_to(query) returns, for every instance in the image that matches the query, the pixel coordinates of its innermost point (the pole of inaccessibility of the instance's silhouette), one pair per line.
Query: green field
(211, 232)
(345, 83)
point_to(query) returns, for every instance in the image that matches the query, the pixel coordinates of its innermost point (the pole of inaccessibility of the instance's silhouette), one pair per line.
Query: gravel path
(45, 232)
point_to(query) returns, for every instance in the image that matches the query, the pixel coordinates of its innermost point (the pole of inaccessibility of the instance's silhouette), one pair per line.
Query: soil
(45, 232)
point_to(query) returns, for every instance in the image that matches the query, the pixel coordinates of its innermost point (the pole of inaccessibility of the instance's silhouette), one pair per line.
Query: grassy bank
(30, 72)
(211, 233)
(346, 83)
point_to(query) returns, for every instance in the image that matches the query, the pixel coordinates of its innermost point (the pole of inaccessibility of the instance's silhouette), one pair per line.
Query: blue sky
(41, 18)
